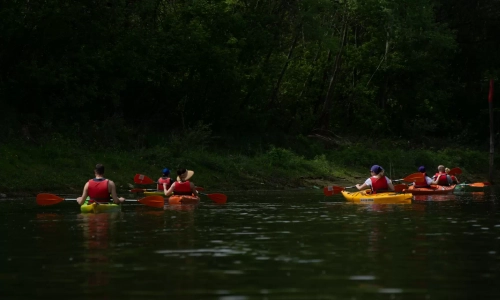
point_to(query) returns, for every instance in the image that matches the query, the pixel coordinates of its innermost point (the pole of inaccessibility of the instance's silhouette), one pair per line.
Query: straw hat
(185, 176)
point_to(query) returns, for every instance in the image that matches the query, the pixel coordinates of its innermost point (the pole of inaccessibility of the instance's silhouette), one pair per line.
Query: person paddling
(441, 178)
(182, 186)
(165, 178)
(378, 182)
(423, 184)
(99, 189)
(454, 179)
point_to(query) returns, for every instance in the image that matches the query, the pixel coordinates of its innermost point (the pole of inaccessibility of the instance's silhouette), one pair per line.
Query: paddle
(334, 189)
(51, 199)
(143, 179)
(455, 171)
(476, 184)
(412, 177)
(216, 197)
(137, 190)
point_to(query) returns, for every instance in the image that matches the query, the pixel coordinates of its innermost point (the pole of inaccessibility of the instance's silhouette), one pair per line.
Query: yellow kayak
(379, 198)
(99, 208)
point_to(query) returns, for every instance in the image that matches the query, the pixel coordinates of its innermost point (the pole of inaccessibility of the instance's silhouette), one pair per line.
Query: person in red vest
(441, 178)
(423, 184)
(99, 189)
(165, 178)
(182, 186)
(454, 179)
(378, 182)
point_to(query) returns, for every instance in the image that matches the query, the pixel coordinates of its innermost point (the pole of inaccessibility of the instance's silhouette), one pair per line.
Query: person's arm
(193, 189)
(428, 180)
(85, 193)
(389, 184)
(365, 185)
(112, 190)
(170, 191)
(450, 181)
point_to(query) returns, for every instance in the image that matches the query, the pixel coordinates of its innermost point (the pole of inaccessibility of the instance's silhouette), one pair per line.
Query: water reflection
(97, 232)
(271, 246)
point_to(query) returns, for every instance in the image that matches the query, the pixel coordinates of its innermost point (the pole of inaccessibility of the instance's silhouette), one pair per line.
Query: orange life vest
(420, 184)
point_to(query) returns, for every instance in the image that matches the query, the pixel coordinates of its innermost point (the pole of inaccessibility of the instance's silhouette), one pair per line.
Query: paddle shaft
(126, 200)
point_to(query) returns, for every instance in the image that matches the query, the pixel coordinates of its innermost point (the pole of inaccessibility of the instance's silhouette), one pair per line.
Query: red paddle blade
(48, 199)
(414, 177)
(399, 188)
(332, 189)
(142, 179)
(217, 198)
(153, 201)
(486, 183)
(199, 188)
(455, 171)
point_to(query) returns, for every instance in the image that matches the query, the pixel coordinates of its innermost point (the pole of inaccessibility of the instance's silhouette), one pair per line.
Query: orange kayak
(183, 199)
(434, 189)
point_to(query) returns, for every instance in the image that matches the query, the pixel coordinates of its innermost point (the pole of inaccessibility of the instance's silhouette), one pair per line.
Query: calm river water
(269, 245)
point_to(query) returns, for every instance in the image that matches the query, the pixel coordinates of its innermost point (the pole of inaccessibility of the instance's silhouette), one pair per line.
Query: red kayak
(434, 189)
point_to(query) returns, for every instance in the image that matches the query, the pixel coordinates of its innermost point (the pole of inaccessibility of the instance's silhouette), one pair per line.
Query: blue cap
(376, 169)
(166, 171)
(421, 169)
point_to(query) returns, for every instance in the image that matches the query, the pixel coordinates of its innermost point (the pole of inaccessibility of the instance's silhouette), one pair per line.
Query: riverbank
(63, 166)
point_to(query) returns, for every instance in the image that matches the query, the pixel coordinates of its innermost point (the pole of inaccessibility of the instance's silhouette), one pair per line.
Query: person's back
(378, 182)
(426, 182)
(182, 186)
(164, 179)
(454, 179)
(441, 178)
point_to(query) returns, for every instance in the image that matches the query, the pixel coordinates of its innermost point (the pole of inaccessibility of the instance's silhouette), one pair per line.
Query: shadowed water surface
(268, 245)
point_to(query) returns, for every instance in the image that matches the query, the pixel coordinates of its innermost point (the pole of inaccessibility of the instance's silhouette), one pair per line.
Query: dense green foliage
(125, 73)
(61, 165)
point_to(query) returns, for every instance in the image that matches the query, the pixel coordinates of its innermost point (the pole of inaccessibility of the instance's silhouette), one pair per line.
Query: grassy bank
(60, 165)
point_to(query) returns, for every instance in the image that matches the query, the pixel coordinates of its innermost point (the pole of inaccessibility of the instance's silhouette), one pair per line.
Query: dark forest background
(129, 73)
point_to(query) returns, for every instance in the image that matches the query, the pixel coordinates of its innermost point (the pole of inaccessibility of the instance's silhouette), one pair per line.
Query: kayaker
(441, 178)
(182, 186)
(165, 178)
(422, 184)
(100, 189)
(378, 182)
(454, 179)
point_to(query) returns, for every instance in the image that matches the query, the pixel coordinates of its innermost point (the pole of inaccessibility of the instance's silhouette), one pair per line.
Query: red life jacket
(441, 178)
(182, 188)
(379, 184)
(163, 180)
(98, 190)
